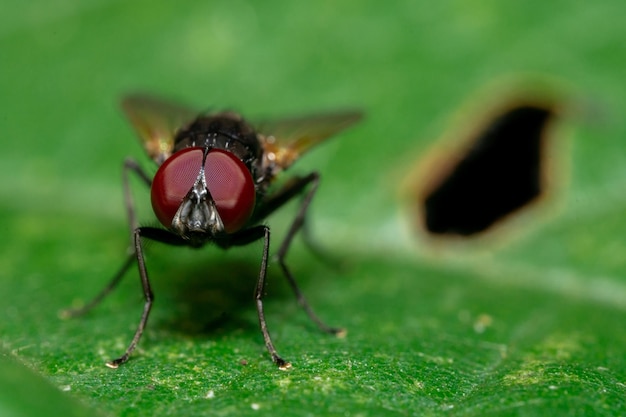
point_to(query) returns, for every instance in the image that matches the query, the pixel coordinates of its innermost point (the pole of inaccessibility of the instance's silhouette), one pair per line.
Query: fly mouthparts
(197, 214)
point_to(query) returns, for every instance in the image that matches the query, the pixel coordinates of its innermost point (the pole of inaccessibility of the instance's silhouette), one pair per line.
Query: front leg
(243, 238)
(158, 235)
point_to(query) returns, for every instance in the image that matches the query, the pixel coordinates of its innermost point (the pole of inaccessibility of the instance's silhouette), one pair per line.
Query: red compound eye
(173, 181)
(228, 180)
(232, 188)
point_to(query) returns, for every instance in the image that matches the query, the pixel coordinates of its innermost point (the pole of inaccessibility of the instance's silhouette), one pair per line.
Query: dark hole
(499, 174)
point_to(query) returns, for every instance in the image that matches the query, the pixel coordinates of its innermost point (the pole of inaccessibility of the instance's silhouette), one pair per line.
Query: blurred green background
(528, 324)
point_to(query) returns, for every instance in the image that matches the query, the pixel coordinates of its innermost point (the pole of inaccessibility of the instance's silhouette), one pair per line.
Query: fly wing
(284, 141)
(156, 122)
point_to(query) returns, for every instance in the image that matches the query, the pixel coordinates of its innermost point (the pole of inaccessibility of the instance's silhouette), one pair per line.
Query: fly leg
(132, 165)
(290, 190)
(319, 251)
(313, 180)
(147, 291)
(75, 312)
(129, 165)
(159, 235)
(243, 238)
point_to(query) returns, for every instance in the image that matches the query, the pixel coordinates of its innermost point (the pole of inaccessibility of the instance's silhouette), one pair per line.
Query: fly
(213, 184)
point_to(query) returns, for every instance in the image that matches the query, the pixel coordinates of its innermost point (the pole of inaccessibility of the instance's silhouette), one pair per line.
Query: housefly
(214, 185)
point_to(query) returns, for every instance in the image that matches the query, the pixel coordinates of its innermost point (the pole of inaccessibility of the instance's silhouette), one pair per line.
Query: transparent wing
(156, 122)
(286, 140)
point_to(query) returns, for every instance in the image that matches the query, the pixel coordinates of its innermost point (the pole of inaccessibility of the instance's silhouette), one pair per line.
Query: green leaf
(527, 321)
(24, 393)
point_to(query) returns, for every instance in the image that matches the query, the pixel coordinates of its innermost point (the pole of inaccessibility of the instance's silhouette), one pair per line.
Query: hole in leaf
(498, 174)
